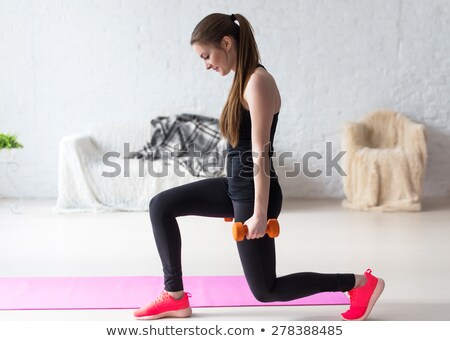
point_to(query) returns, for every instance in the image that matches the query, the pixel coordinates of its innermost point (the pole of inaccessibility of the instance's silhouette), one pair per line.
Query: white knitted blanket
(83, 186)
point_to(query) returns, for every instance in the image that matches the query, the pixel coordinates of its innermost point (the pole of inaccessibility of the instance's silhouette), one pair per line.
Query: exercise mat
(131, 292)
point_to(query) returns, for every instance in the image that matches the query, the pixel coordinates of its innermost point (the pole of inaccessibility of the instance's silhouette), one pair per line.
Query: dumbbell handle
(240, 230)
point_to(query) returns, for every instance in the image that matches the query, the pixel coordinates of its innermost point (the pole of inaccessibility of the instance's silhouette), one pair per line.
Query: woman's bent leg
(207, 197)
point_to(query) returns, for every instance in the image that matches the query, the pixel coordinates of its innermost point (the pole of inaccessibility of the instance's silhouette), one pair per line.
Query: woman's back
(240, 161)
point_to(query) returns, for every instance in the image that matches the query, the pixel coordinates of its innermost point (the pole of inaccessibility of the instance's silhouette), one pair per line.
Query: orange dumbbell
(240, 230)
(228, 219)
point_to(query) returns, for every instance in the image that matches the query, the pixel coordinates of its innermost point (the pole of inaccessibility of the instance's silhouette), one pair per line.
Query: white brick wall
(67, 64)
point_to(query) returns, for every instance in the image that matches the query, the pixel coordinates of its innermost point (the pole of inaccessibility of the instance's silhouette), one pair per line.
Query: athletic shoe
(165, 306)
(363, 299)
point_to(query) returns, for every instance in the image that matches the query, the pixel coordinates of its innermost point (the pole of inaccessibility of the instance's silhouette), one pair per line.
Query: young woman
(250, 193)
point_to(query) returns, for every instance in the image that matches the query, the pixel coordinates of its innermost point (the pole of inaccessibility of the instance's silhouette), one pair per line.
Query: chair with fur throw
(385, 162)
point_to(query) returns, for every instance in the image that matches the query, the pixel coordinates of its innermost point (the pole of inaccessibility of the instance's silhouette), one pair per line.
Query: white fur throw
(385, 162)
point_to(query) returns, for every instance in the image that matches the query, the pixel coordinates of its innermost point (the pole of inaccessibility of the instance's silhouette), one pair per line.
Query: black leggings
(209, 197)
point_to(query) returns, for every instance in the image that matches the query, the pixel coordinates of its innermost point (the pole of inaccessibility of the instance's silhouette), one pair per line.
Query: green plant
(9, 141)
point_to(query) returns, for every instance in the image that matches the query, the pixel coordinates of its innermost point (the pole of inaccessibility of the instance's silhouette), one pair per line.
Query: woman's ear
(226, 43)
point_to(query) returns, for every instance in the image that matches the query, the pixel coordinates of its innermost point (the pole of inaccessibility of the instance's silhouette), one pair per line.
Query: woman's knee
(262, 293)
(158, 205)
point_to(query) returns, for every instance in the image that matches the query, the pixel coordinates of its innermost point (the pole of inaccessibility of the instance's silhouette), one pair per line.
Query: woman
(250, 193)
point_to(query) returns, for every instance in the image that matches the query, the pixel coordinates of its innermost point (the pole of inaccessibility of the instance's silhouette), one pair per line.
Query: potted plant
(8, 146)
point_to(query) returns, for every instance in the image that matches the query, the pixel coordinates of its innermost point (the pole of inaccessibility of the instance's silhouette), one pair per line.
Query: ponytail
(211, 30)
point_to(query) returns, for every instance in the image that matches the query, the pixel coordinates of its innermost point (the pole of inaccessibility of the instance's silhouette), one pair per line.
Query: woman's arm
(260, 99)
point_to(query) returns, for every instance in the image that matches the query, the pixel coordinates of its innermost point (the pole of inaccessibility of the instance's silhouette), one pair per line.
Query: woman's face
(219, 60)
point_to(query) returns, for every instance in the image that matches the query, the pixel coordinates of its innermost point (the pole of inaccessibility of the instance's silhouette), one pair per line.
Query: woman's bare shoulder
(262, 79)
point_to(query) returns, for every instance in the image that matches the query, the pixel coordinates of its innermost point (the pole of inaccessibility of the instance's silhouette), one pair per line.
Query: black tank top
(240, 162)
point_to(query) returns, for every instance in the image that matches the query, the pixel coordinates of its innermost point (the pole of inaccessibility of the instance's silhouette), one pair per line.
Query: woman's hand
(256, 225)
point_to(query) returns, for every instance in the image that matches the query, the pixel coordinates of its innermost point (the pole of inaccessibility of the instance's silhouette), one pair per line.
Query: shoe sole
(373, 299)
(172, 313)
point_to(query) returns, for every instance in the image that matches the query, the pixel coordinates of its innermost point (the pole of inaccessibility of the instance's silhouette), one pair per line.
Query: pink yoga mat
(41, 293)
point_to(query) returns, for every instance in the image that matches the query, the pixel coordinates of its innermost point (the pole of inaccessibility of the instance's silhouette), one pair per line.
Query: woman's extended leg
(259, 264)
(258, 260)
(207, 197)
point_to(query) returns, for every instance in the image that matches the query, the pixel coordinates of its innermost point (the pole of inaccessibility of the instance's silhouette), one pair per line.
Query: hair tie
(233, 17)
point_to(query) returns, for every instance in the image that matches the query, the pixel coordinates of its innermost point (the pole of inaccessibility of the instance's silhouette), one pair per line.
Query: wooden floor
(410, 251)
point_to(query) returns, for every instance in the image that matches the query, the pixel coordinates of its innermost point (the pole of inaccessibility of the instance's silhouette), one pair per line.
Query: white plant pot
(7, 154)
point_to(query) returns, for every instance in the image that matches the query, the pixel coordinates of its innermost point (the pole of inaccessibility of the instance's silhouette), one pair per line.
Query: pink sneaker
(165, 306)
(363, 299)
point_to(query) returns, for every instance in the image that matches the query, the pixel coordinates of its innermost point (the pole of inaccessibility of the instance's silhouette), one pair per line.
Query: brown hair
(211, 30)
